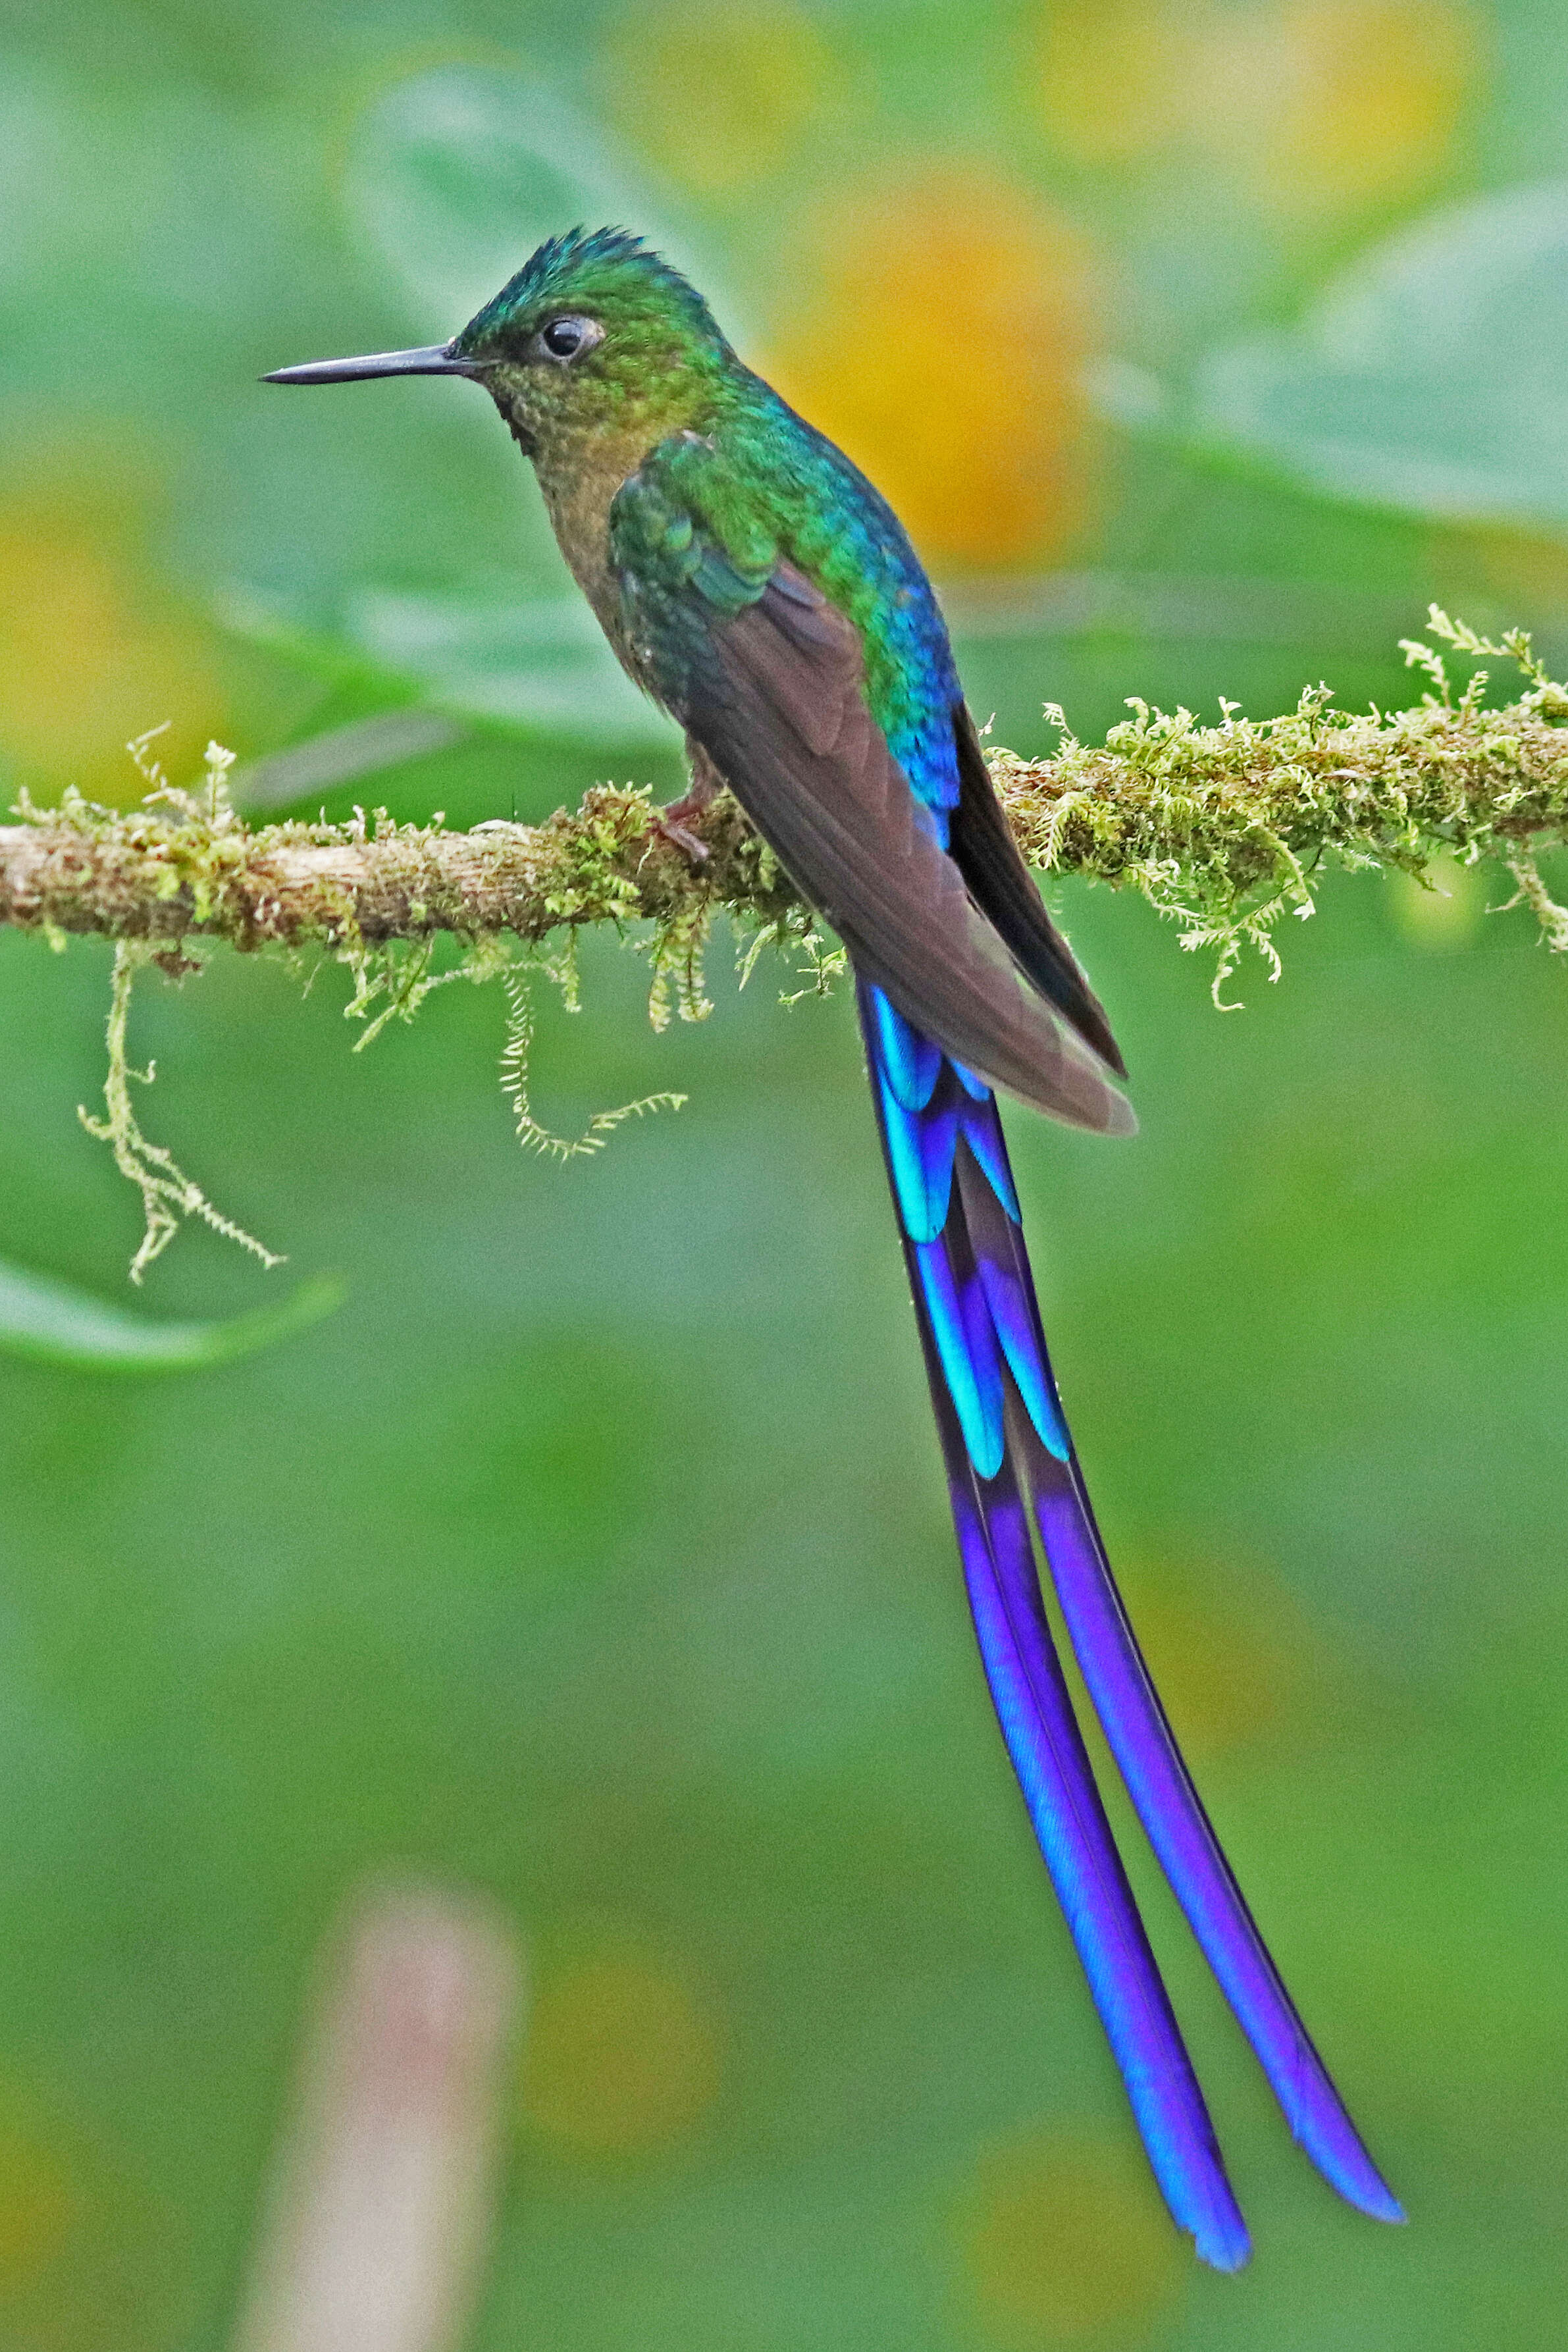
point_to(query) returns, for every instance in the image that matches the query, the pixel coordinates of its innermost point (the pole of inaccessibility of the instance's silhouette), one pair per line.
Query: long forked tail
(1009, 1455)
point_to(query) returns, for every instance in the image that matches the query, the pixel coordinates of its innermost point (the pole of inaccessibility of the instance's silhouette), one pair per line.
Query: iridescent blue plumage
(757, 586)
(975, 1298)
(1046, 1749)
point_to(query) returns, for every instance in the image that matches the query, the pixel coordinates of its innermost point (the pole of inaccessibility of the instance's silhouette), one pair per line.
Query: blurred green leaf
(1432, 377)
(458, 174)
(342, 755)
(535, 662)
(56, 1324)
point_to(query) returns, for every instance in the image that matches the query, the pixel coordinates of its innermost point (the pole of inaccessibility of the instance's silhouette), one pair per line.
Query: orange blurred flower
(943, 347)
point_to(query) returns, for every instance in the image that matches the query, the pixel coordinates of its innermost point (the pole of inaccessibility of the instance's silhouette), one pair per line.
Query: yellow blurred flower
(1234, 1656)
(89, 657)
(623, 2052)
(91, 2259)
(942, 347)
(1446, 916)
(1360, 99)
(716, 98)
(1312, 106)
(1502, 564)
(36, 2208)
(1114, 77)
(1063, 2240)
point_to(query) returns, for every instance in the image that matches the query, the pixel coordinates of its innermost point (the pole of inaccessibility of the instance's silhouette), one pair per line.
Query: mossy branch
(1222, 828)
(184, 865)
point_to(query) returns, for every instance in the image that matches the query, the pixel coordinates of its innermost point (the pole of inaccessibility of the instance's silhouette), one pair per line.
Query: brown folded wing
(777, 699)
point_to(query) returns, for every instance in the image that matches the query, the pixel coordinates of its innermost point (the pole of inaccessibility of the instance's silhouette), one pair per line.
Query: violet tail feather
(1005, 1437)
(1048, 1753)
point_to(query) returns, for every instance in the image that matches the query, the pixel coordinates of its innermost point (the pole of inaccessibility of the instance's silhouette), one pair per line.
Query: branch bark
(186, 864)
(1222, 828)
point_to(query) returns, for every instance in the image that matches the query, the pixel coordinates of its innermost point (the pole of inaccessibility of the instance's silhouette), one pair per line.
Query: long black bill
(431, 359)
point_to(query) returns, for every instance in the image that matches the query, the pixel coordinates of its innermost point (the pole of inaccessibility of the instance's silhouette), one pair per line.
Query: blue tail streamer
(1003, 1437)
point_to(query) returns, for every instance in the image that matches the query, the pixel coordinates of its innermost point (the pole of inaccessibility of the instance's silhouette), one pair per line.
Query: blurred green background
(595, 1552)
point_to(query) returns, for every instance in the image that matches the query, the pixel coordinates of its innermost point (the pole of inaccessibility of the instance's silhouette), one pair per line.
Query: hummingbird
(757, 587)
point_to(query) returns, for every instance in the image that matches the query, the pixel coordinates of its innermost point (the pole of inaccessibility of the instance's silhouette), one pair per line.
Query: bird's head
(595, 335)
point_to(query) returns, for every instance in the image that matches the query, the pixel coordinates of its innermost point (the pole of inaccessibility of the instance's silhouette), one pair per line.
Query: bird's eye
(563, 339)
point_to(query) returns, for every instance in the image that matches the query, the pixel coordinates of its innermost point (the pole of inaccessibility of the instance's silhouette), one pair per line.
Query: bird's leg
(671, 820)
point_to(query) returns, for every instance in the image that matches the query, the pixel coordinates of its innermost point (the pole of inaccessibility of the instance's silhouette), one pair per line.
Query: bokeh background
(593, 1554)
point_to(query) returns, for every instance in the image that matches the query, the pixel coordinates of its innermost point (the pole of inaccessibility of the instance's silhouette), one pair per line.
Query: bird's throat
(580, 477)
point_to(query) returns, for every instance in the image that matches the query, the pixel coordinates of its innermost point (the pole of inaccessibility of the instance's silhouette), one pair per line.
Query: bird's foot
(671, 822)
(681, 837)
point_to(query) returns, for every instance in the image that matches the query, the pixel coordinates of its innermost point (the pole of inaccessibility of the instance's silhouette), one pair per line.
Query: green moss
(1223, 829)
(168, 1194)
